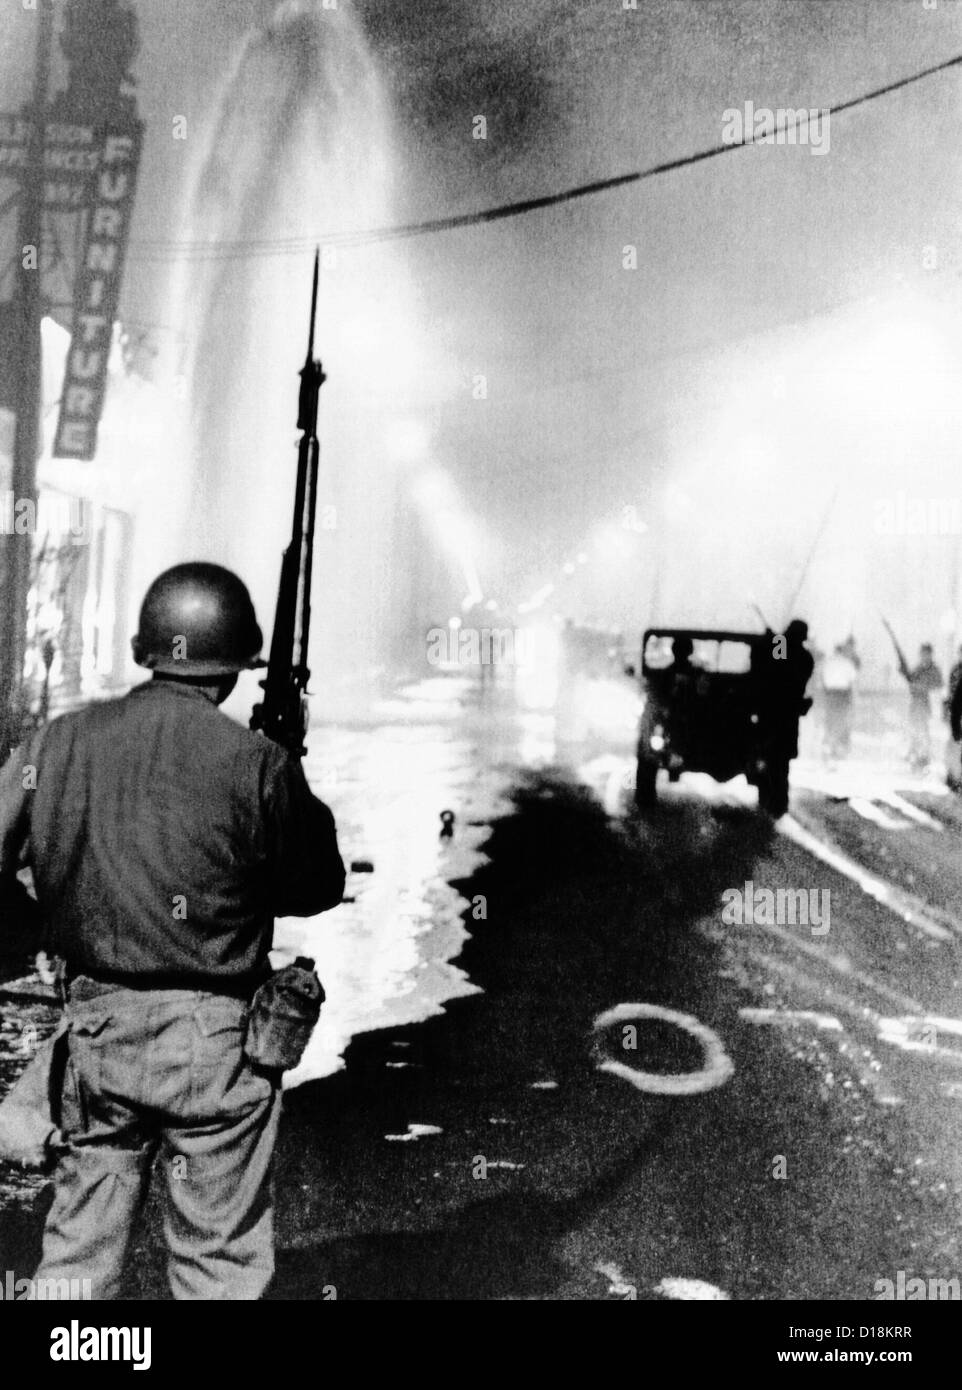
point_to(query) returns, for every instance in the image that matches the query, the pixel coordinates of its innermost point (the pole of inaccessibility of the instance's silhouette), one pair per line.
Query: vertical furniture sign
(97, 291)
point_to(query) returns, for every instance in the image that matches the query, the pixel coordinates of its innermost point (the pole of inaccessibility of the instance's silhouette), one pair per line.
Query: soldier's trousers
(161, 1074)
(920, 736)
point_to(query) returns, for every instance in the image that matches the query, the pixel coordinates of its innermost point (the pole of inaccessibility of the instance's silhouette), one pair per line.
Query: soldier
(164, 839)
(792, 673)
(953, 696)
(683, 690)
(683, 657)
(952, 709)
(922, 680)
(783, 703)
(839, 674)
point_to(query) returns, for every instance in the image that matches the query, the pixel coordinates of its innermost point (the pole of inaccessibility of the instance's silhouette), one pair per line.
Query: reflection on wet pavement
(23, 1027)
(385, 956)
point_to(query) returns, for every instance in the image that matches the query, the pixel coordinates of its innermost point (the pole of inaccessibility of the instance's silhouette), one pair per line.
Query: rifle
(764, 621)
(811, 554)
(903, 664)
(282, 714)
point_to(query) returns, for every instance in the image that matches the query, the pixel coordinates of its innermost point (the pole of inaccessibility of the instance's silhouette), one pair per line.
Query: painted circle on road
(718, 1066)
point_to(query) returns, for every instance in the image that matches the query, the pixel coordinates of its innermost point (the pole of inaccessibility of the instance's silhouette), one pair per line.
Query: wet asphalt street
(463, 1127)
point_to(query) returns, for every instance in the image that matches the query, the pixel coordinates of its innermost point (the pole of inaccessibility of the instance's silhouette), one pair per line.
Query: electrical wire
(244, 250)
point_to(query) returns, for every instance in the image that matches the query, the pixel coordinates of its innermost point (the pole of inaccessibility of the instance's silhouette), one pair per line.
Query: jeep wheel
(773, 788)
(645, 779)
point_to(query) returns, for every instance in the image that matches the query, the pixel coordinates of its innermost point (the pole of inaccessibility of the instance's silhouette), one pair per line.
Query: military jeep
(707, 710)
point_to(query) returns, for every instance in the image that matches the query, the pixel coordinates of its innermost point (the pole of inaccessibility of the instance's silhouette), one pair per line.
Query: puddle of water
(385, 958)
(23, 1027)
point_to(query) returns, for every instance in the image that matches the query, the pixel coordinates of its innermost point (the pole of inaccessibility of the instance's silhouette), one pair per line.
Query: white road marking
(825, 1021)
(413, 1132)
(859, 1059)
(841, 964)
(692, 1289)
(860, 779)
(869, 811)
(917, 1033)
(910, 1033)
(906, 808)
(718, 1066)
(905, 905)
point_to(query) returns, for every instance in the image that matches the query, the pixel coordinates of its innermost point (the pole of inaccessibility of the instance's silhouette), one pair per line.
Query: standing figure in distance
(952, 709)
(953, 695)
(923, 679)
(783, 703)
(839, 674)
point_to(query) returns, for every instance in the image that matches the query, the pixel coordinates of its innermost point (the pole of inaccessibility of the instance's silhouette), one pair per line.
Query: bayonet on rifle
(282, 714)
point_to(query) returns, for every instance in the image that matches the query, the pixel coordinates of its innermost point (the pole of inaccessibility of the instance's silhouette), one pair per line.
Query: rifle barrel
(310, 332)
(282, 712)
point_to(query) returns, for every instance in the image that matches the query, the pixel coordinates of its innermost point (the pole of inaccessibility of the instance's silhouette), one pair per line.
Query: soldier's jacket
(164, 839)
(925, 677)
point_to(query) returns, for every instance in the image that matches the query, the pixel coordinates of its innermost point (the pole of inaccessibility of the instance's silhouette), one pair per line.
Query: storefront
(89, 556)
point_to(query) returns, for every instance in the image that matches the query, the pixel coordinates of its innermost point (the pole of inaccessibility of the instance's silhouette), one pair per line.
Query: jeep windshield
(716, 653)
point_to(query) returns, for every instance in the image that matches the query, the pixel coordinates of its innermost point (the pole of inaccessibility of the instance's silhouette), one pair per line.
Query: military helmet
(197, 620)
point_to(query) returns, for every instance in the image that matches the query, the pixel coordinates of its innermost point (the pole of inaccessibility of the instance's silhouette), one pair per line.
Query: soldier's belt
(85, 985)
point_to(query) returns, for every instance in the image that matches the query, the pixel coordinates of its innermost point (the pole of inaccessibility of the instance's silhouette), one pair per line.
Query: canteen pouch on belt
(282, 1016)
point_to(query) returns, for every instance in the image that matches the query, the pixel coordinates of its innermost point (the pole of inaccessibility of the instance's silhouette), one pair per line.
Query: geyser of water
(299, 146)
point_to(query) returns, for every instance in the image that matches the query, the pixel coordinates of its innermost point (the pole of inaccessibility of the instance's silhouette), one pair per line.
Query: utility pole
(18, 548)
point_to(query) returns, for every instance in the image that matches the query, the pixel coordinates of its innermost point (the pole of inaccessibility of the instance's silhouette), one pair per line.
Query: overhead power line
(233, 250)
